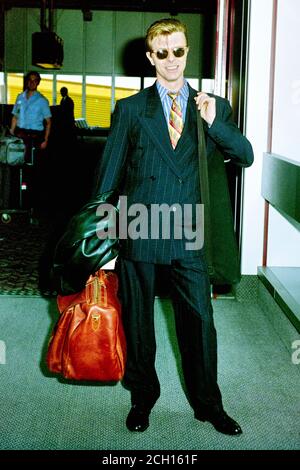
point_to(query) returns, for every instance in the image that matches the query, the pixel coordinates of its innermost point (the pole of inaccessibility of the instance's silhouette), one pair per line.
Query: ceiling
(172, 6)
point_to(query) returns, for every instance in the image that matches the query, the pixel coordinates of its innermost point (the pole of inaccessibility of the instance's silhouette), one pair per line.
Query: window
(194, 82)
(74, 85)
(126, 86)
(98, 92)
(2, 88)
(15, 82)
(46, 86)
(14, 86)
(98, 100)
(148, 81)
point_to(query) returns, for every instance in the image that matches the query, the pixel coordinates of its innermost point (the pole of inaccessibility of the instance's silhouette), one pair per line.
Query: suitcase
(12, 151)
(88, 340)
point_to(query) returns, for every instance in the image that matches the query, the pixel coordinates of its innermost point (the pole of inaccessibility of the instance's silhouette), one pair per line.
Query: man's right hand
(207, 107)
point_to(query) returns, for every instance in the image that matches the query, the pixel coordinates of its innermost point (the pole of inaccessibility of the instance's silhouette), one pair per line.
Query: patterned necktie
(175, 120)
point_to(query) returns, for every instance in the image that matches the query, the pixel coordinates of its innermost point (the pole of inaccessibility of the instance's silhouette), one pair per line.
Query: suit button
(174, 209)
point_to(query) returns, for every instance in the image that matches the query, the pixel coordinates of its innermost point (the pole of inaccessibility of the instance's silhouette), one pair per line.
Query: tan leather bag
(88, 341)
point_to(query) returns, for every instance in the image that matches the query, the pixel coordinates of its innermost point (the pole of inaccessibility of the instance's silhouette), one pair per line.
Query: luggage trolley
(12, 166)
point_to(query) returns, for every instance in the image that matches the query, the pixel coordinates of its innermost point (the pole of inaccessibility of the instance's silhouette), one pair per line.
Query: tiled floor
(21, 246)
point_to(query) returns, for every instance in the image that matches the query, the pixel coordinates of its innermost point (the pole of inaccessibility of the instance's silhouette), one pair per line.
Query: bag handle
(95, 289)
(204, 192)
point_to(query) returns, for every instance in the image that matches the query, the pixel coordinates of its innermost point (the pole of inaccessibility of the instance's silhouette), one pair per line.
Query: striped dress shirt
(166, 101)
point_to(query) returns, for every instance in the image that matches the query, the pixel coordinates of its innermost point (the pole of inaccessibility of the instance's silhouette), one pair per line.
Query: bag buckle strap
(96, 292)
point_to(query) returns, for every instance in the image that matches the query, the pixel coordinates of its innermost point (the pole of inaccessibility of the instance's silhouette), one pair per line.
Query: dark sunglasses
(162, 54)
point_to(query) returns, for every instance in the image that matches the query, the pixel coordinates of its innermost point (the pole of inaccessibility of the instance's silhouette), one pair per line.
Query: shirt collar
(36, 93)
(184, 90)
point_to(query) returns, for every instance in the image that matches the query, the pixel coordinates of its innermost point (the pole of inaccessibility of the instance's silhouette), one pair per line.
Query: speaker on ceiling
(47, 50)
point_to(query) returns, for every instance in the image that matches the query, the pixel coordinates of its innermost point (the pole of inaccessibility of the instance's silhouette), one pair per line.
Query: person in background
(31, 119)
(151, 157)
(66, 111)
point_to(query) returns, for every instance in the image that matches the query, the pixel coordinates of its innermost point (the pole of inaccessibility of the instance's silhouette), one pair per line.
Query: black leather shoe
(221, 422)
(137, 419)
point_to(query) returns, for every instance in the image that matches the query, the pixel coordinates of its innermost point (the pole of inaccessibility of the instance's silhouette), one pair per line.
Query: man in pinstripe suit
(141, 162)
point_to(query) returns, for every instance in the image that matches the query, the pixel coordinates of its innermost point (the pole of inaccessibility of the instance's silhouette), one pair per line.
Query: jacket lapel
(187, 139)
(154, 123)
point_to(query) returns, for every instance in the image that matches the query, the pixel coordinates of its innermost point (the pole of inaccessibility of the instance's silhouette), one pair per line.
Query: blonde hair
(164, 27)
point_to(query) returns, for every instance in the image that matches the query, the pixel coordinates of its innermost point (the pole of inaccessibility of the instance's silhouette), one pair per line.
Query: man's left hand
(207, 107)
(43, 145)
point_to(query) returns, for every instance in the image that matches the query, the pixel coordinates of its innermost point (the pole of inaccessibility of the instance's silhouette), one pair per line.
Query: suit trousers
(196, 334)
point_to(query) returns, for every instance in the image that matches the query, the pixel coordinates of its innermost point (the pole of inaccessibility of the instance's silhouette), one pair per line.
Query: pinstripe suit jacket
(139, 160)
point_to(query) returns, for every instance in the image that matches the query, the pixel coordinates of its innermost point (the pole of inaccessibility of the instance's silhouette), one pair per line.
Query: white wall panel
(284, 239)
(286, 120)
(256, 131)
